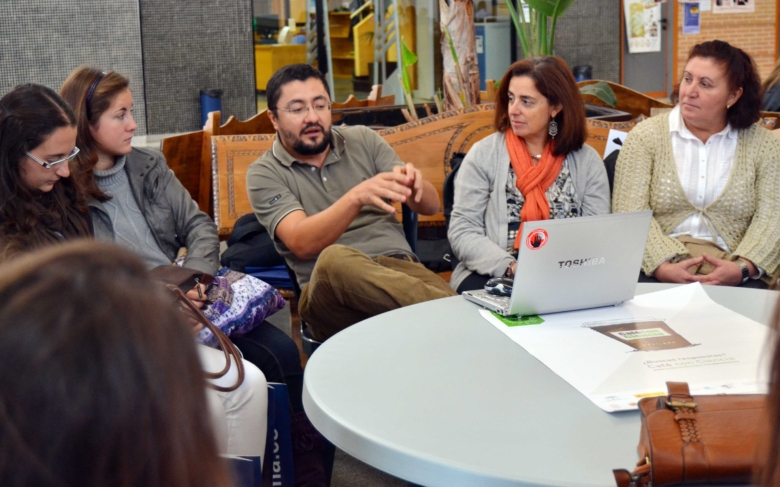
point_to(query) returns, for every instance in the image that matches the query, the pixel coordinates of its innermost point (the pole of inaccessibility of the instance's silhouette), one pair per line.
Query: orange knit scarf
(532, 180)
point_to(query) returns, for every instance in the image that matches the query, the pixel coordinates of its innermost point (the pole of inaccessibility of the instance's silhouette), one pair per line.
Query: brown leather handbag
(702, 439)
(181, 279)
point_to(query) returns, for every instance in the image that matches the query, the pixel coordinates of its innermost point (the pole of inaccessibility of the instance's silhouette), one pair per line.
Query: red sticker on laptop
(536, 239)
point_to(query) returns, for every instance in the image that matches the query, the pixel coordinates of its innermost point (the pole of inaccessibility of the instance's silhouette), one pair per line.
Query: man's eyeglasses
(49, 165)
(300, 110)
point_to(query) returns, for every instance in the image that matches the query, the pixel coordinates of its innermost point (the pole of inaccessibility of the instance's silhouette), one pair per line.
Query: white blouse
(704, 170)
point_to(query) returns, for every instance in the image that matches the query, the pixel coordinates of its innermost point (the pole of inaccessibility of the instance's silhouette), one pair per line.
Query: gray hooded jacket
(173, 217)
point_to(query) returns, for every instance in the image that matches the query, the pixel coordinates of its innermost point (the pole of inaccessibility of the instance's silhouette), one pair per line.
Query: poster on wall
(733, 6)
(643, 25)
(691, 19)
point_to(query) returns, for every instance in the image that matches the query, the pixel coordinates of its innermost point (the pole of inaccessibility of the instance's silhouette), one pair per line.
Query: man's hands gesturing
(414, 180)
(384, 187)
(404, 183)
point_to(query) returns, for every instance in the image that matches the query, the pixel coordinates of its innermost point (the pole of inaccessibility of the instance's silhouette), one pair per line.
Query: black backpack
(435, 252)
(250, 245)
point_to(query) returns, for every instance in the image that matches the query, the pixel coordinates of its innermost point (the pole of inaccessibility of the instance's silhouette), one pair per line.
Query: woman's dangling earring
(553, 131)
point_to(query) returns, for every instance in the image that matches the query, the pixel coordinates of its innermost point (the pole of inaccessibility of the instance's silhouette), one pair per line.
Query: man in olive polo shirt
(325, 195)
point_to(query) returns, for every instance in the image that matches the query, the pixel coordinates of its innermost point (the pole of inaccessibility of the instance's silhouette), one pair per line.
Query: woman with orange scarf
(535, 167)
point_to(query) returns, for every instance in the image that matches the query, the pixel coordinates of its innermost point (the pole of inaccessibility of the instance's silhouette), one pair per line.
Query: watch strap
(744, 268)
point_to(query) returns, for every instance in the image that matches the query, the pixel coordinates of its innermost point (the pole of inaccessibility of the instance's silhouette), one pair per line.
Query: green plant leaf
(602, 91)
(550, 8)
(408, 58)
(521, 32)
(452, 46)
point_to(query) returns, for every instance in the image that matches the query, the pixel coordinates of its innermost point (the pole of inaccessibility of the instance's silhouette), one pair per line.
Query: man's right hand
(384, 186)
(677, 273)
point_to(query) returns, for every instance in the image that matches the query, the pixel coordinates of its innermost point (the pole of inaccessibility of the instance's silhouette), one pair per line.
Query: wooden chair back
(189, 155)
(428, 144)
(183, 155)
(489, 96)
(233, 154)
(628, 100)
(598, 132)
(259, 124)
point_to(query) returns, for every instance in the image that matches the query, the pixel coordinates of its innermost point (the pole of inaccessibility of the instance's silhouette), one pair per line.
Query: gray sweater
(131, 231)
(479, 223)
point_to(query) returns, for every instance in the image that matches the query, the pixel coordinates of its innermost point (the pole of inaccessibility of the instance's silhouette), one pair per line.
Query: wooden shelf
(271, 57)
(341, 46)
(340, 24)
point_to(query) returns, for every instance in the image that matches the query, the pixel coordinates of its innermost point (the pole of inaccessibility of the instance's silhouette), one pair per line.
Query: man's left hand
(414, 179)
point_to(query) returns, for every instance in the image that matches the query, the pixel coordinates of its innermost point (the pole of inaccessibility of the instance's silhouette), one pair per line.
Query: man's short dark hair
(292, 72)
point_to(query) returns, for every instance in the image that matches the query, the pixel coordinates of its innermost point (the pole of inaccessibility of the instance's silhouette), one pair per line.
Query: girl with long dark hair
(39, 204)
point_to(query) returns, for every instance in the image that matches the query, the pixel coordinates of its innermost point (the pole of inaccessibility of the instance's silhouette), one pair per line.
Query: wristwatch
(745, 271)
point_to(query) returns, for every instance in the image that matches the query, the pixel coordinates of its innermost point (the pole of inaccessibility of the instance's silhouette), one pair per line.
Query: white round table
(435, 395)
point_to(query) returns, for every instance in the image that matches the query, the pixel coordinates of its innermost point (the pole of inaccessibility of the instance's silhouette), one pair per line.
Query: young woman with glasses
(39, 204)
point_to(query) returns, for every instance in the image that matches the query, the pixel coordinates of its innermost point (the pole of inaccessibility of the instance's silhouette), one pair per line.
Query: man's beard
(304, 149)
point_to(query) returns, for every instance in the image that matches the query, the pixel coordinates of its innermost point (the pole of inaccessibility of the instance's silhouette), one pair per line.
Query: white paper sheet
(720, 351)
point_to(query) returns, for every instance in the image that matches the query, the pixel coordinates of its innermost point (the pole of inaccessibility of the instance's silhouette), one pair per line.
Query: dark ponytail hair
(741, 72)
(29, 114)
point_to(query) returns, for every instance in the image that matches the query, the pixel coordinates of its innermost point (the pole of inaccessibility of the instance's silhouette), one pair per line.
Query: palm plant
(537, 35)
(537, 32)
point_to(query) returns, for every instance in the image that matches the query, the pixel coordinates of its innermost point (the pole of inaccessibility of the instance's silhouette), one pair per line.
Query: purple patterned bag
(237, 304)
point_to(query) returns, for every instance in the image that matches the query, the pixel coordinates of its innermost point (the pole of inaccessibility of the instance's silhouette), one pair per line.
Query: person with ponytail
(42, 205)
(535, 167)
(710, 175)
(136, 201)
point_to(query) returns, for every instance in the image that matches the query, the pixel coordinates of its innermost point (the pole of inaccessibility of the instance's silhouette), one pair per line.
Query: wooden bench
(428, 144)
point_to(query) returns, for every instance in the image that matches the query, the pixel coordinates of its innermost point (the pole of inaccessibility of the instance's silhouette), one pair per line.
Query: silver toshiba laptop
(573, 263)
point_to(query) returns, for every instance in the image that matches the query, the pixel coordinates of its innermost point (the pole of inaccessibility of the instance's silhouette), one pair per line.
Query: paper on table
(616, 355)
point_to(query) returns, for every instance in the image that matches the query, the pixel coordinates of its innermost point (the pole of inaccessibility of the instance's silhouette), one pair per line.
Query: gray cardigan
(479, 223)
(172, 215)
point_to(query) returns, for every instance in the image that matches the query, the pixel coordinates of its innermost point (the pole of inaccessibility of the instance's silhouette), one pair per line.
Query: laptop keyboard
(498, 301)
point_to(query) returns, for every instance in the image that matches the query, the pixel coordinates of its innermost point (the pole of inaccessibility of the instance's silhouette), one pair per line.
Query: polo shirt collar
(676, 124)
(336, 149)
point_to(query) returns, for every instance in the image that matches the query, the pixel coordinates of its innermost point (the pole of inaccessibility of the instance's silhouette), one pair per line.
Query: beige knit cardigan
(746, 214)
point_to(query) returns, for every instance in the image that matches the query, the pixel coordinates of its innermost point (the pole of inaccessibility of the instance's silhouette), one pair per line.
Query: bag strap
(680, 401)
(640, 477)
(228, 348)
